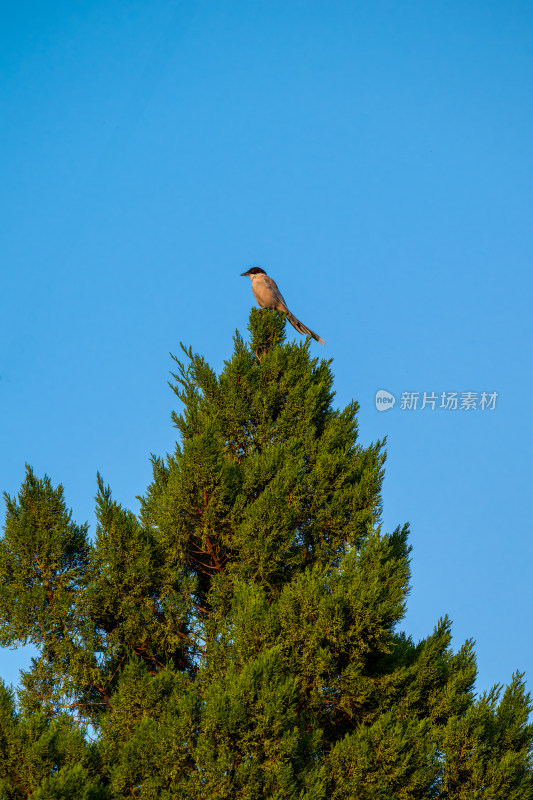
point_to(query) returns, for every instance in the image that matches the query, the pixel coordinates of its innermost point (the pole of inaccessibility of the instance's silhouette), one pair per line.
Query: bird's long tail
(301, 328)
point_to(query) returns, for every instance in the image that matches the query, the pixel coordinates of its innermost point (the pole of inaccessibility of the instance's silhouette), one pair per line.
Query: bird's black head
(254, 271)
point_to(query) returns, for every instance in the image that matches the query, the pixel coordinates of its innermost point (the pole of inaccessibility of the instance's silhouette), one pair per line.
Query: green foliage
(240, 637)
(43, 550)
(46, 759)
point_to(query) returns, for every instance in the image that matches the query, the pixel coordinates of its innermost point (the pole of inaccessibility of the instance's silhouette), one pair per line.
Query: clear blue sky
(375, 157)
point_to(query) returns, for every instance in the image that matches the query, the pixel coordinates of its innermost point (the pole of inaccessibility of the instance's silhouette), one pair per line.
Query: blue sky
(375, 157)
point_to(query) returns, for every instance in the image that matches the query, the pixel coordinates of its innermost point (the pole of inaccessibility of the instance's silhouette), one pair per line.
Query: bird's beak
(244, 274)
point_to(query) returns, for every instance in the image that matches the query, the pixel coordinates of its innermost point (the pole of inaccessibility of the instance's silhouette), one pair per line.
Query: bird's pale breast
(267, 293)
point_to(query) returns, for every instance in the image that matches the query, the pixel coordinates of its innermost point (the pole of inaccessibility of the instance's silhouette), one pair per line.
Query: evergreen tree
(240, 637)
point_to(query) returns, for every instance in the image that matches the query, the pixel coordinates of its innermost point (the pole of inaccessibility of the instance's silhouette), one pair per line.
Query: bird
(268, 295)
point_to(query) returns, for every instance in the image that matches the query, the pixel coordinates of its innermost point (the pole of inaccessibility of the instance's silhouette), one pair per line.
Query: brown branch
(213, 554)
(103, 694)
(204, 610)
(117, 669)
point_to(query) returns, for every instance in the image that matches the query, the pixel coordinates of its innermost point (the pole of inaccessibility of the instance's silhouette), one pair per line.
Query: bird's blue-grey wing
(274, 287)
